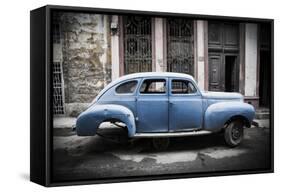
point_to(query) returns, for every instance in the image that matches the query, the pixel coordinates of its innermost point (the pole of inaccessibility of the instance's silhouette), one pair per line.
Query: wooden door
(215, 64)
(223, 48)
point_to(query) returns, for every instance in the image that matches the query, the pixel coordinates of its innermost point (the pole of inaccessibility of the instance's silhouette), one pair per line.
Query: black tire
(234, 132)
(160, 143)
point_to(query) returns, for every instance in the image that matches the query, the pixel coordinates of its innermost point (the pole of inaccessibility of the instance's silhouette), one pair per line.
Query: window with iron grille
(137, 44)
(58, 100)
(180, 45)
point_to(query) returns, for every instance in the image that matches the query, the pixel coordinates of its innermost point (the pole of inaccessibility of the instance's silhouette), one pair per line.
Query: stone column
(199, 56)
(105, 58)
(114, 47)
(251, 62)
(159, 45)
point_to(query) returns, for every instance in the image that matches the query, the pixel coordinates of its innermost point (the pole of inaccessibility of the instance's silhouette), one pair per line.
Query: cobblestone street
(76, 158)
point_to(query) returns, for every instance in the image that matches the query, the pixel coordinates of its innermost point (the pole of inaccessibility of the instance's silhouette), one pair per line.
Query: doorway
(231, 73)
(223, 54)
(265, 65)
(265, 68)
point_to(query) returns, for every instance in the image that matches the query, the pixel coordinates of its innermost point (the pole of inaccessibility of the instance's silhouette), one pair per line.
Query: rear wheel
(234, 132)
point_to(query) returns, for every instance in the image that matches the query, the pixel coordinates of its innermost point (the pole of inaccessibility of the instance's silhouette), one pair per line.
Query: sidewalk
(69, 122)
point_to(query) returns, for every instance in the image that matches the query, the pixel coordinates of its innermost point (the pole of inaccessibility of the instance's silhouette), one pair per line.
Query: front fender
(88, 122)
(218, 114)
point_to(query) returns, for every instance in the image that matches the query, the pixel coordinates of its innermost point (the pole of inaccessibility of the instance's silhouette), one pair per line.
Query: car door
(185, 105)
(152, 106)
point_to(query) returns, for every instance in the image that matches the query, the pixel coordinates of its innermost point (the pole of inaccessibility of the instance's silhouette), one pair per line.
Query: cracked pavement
(80, 158)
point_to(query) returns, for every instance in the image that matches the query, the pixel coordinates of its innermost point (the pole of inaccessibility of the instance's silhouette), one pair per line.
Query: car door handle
(171, 103)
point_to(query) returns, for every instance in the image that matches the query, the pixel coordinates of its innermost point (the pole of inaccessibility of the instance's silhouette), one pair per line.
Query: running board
(171, 134)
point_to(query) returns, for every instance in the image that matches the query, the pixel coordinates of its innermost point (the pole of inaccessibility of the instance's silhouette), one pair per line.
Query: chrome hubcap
(236, 133)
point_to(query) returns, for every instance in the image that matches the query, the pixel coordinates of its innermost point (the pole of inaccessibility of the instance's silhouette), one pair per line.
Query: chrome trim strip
(173, 134)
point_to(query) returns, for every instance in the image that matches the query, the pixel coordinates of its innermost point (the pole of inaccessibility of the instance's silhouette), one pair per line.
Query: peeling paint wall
(86, 55)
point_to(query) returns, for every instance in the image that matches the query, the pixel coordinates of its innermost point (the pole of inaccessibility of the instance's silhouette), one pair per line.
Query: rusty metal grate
(180, 45)
(137, 44)
(58, 99)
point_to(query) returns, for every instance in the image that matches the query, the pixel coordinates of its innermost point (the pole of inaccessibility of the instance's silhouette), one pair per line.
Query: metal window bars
(137, 44)
(180, 45)
(58, 99)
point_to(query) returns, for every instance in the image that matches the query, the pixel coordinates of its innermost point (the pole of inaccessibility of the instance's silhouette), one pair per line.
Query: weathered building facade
(91, 50)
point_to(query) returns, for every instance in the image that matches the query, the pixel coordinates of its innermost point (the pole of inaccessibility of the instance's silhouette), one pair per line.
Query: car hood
(222, 95)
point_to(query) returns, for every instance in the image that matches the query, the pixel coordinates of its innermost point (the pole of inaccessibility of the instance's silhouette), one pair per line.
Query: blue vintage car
(164, 105)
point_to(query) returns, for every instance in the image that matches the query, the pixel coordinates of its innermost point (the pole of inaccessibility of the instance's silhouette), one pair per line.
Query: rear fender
(218, 114)
(88, 122)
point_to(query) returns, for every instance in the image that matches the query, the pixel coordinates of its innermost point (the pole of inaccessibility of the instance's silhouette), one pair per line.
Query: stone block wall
(86, 55)
(85, 52)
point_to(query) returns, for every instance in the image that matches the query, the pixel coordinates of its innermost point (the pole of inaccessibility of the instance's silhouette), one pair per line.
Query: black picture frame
(41, 95)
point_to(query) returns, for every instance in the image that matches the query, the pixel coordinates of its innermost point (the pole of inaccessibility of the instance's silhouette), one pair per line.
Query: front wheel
(233, 134)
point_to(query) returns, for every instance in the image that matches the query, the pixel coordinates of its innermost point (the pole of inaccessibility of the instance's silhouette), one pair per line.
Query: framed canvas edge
(153, 13)
(49, 126)
(160, 177)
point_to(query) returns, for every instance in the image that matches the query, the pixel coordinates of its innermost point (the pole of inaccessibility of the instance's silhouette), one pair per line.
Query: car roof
(153, 74)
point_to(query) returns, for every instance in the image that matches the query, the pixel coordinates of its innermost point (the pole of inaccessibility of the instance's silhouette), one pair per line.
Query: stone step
(262, 115)
(262, 110)
(262, 123)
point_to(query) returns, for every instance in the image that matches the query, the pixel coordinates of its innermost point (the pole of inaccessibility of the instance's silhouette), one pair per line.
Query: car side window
(153, 86)
(128, 87)
(182, 87)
